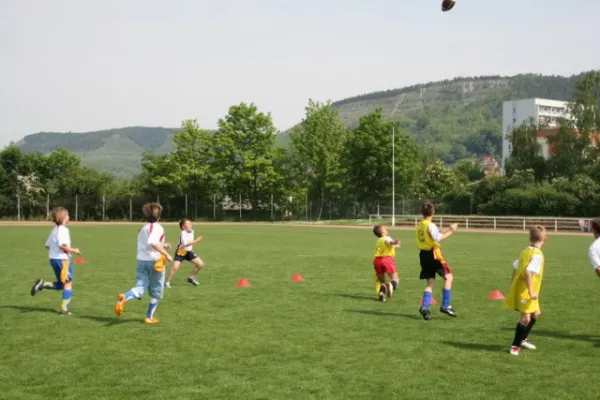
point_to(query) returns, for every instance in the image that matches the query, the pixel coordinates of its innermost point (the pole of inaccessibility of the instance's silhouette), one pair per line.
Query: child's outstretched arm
(69, 249)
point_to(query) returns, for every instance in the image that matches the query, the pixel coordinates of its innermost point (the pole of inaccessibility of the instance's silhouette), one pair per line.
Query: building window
(514, 120)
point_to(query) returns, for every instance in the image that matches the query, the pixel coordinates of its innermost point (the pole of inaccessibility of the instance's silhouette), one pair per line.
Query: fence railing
(554, 224)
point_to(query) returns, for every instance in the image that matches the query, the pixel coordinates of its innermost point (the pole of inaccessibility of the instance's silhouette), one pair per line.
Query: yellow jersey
(531, 259)
(384, 247)
(424, 239)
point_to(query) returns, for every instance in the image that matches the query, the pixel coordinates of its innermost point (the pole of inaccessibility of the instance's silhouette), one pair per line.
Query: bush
(538, 201)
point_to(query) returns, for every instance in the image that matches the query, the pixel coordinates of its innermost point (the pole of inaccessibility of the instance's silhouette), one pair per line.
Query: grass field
(324, 338)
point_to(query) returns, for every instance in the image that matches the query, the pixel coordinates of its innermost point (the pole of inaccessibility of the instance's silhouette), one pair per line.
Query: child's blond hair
(58, 215)
(537, 234)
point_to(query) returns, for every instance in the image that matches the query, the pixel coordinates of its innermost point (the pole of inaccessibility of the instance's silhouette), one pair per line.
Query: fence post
(441, 222)
(555, 225)
(18, 207)
(240, 207)
(158, 198)
(103, 207)
(467, 223)
(186, 207)
(76, 207)
(524, 227)
(416, 222)
(272, 209)
(494, 223)
(130, 209)
(214, 207)
(47, 206)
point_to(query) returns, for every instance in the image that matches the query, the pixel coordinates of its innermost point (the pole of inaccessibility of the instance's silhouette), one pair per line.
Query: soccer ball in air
(448, 4)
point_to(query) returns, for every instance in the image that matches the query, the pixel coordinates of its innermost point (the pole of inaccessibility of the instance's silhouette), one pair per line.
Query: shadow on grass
(384, 314)
(476, 346)
(28, 309)
(595, 339)
(353, 296)
(109, 321)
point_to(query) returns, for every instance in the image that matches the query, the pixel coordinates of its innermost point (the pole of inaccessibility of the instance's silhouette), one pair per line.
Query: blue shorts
(64, 268)
(189, 256)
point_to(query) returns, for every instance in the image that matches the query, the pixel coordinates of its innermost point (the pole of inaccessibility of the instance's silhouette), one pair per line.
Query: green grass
(324, 338)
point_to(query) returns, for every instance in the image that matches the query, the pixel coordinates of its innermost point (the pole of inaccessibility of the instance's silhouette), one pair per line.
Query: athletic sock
(130, 295)
(152, 308)
(520, 335)
(531, 323)
(67, 293)
(394, 284)
(426, 300)
(446, 295)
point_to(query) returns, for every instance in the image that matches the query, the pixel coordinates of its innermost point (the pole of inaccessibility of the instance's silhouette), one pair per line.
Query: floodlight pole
(393, 176)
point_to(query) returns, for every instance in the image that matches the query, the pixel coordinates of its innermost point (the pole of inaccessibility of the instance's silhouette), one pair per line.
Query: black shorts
(188, 256)
(430, 266)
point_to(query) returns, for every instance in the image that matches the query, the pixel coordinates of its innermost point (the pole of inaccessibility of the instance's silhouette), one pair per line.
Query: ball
(447, 5)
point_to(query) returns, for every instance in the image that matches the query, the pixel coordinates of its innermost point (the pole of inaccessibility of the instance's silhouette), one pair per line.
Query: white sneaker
(529, 346)
(514, 350)
(390, 290)
(167, 285)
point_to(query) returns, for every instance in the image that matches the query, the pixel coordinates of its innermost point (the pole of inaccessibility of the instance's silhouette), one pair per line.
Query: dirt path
(297, 225)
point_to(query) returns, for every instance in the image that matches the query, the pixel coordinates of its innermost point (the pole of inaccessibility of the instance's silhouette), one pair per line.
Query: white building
(543, 111)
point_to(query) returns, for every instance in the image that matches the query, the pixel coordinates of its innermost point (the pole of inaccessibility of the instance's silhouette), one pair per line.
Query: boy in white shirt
(151, 260)
(59, 253)
(185, 252)
(594, 250)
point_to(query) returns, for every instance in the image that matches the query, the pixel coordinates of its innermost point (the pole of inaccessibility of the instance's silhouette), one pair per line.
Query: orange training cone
(297, 278)
(243, 283)
(79, 260)
(496, 295)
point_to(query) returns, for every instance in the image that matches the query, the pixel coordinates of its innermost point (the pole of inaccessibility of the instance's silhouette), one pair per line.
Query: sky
(85, 65)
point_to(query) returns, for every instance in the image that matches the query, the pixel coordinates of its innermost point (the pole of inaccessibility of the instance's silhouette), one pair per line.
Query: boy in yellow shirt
(525, 288)
(384, 262)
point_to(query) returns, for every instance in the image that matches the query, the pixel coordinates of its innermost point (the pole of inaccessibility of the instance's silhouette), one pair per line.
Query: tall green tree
(318, 143)
(437, 181)
(527, 151)
(368, 160)
(244, 153)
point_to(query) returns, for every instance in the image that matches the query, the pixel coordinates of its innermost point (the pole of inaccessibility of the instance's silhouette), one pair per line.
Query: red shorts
(384, 265)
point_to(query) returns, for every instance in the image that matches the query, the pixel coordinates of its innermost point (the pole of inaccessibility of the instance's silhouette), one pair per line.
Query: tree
(527, 152)
(368, 159)
(469, 170)
(318, 143)
(244, 153)
(437, 181)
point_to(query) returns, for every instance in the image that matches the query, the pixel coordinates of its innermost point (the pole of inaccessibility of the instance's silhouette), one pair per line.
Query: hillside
(454, 119)
(117, 151)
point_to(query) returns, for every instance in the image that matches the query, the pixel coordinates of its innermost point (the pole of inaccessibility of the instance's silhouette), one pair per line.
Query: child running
(433, 262)
(525, 288)
(59, 252)
(384, 262)
(594, 250)
(184, 252)
(151, 260)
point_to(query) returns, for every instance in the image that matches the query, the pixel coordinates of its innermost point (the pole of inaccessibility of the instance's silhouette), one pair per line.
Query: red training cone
(433, 301)
(496, 295)
(79, 260)
(297, 278)
(243, 283)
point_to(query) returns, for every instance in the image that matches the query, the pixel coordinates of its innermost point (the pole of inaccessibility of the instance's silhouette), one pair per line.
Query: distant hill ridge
(454, 119)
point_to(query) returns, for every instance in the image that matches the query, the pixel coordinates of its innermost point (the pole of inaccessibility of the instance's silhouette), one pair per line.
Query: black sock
(531, 323)
(394, 284)
(382, 288)
(520, 334)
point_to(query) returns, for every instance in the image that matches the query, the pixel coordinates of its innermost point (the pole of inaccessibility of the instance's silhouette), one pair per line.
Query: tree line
(333, 167)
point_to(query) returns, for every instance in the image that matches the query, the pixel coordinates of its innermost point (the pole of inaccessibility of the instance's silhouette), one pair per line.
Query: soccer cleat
(149, 321)
(167, 285)
(529, 346)
(37, 286)
(514, 350)
(382, 297)
(448, 310)
(389, 290)
(426, 313)
(193, 281)
(120, 306)
(65, 312)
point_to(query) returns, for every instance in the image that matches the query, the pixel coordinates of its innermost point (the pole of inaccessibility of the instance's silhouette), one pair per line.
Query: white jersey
(594, 254)
(185, 237)
(149, 234)
(58, 236)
